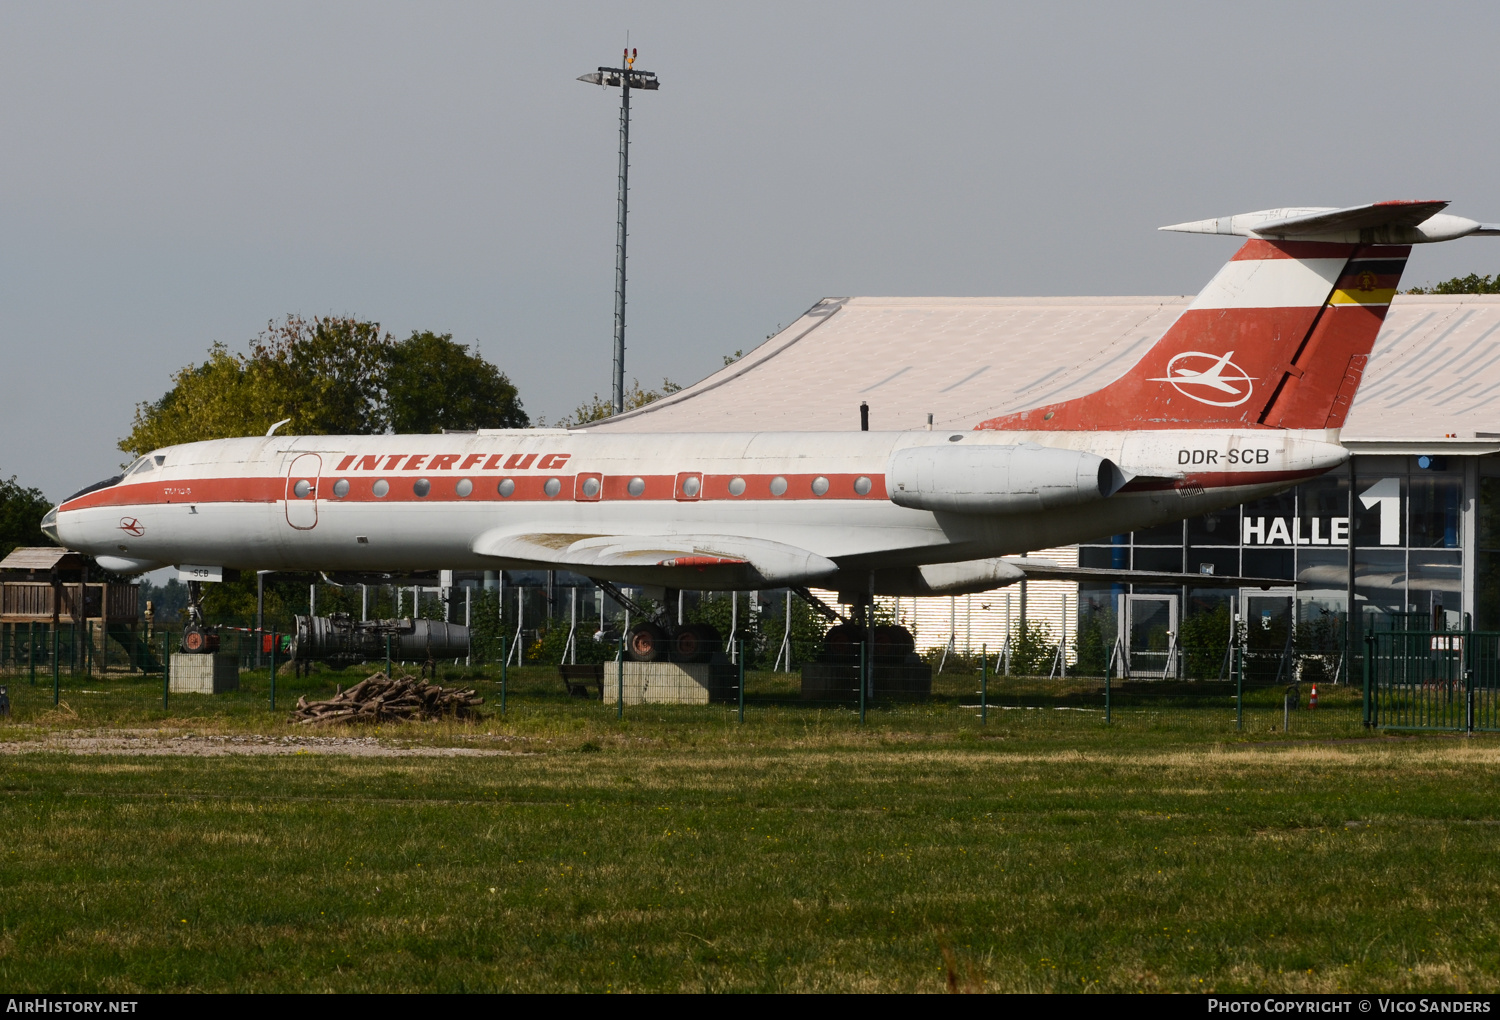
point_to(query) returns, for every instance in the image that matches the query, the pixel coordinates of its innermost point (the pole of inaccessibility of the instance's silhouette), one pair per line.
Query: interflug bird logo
(1219, 382)
(132, 527)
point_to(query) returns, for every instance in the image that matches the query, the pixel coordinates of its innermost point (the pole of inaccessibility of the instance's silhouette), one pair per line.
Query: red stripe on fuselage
(195, 490)
(271, 489)
(659, 488)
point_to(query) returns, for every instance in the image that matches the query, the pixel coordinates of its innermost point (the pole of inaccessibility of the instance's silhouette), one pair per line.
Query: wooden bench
(577, 678)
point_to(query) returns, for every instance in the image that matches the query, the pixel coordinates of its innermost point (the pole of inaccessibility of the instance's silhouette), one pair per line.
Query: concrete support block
(204, 674)
(826, 681)
(683, 683)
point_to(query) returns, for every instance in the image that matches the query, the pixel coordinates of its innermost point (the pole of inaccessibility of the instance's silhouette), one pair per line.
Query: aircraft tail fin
(1278, 338)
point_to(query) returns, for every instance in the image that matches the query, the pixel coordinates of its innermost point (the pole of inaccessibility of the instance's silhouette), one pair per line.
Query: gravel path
(153, 742)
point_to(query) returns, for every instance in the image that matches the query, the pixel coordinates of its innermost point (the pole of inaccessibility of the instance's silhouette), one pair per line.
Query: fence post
(862, 683)
(742, 678)
(1469, 702)
(504, 663)
(388, 657)
(166, 669)
(620, 680)
(31, 649)
(273, 665)
(1106, 696)
(984, 685)
(1369, 706)
(54, 667)
(1239, 686)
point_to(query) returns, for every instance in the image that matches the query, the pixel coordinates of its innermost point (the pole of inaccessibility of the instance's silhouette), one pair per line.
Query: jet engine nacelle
(338, 638)
(998, 479)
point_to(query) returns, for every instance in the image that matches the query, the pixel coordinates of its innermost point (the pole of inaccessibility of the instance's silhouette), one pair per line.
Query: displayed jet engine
(340, 639)
(998, 479)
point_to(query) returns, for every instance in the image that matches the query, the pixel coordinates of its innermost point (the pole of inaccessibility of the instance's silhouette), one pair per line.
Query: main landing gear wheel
(695, 642)
(842, 640)
(646, 643)
(893, 643)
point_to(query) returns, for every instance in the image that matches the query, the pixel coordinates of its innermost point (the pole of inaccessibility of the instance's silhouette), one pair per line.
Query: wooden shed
(47, 601)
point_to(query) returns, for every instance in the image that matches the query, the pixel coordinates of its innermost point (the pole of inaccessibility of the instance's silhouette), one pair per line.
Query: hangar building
(1410, 526)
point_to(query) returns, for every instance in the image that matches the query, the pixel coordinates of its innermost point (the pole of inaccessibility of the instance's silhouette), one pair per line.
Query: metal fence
(1433, 680)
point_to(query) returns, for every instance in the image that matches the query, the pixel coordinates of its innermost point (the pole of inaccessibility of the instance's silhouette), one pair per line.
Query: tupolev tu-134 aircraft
(1243, 396)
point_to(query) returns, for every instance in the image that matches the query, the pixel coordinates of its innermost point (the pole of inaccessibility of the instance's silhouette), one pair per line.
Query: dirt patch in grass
(213, 745)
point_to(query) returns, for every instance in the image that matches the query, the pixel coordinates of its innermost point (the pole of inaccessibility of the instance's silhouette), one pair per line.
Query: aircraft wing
(1045, 570)
(674, 561)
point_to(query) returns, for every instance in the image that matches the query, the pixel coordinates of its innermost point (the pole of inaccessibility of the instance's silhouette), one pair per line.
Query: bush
(1095, 641)
(1032, 650)
(551, 640)
(808, 629)
(1203, 640)
(954, 662)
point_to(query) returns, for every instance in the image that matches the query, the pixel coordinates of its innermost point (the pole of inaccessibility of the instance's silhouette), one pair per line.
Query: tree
(1471, 284)
(329, 376)
(433, 383)
(21, 513)
(330, 373)
(598, 408)
(324, 374)
(223, 397)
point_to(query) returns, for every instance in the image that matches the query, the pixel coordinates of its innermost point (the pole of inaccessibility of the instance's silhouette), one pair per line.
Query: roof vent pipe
(864, 416)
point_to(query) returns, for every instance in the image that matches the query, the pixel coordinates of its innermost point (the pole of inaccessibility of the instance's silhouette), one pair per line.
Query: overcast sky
(172, 175)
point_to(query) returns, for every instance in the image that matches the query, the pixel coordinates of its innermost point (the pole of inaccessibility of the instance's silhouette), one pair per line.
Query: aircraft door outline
(301, 497)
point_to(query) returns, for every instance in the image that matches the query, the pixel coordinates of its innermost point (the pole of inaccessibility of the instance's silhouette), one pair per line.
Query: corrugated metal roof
(45, 557)
(1435, 370)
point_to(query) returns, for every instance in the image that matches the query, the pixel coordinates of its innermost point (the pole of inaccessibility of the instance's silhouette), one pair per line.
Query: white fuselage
(420, 502)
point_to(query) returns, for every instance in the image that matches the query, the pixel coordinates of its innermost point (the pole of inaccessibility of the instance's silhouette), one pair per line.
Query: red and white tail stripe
(1277, 339)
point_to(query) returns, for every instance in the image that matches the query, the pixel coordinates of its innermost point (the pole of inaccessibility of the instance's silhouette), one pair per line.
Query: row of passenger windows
(691, 487)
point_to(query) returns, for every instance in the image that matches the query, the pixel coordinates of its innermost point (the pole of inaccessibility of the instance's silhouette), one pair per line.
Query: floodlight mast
(624, 78)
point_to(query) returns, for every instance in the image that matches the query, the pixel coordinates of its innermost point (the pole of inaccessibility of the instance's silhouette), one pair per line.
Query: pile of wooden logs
(383, 699)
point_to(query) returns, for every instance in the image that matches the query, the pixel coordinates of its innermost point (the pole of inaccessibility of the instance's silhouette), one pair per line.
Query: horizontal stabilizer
(1400, 222)
(1045, 570)
(675, 561)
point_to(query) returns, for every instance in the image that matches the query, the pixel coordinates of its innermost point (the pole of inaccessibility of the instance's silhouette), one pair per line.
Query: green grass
(681, 850)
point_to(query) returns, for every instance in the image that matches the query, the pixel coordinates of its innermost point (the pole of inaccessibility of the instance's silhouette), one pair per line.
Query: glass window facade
(1405, 522)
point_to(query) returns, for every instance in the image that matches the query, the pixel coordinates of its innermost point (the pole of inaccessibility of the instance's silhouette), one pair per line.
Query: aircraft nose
(49, 526)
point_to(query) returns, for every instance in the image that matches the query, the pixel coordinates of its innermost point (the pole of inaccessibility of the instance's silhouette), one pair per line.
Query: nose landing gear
(197, 638)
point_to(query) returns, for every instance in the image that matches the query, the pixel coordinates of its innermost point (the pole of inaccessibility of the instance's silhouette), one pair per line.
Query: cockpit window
(144, 464)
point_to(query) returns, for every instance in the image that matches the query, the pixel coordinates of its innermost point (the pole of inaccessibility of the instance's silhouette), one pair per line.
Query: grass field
(681, 850)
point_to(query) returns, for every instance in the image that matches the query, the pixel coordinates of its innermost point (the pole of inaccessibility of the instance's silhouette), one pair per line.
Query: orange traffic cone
(1312, 701)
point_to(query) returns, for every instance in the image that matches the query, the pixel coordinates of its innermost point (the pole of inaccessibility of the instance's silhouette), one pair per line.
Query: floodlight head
(617, 76)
